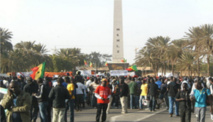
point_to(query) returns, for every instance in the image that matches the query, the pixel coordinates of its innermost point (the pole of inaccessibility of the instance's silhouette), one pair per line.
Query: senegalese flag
(134, 67)
(38, 72)
(106, 64)
(123, 60)
(90, 64)
(85, 62)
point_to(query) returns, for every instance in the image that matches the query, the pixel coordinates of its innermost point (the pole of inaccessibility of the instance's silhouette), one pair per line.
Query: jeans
(152, 103)
(34, 112)
(43, 111)
(166, 100)
(71, 105)
(142, 98)
(171, 103)
(201, 112)
(136, 101)
(132, 100)
(101, 107)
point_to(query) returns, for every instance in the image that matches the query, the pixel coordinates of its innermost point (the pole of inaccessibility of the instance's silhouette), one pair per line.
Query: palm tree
(194, 37)
(5, 47)
(207, 43)
(174, 52)
(186, 62)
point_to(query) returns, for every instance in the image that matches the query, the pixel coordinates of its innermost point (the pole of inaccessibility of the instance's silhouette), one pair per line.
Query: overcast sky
(88, 24)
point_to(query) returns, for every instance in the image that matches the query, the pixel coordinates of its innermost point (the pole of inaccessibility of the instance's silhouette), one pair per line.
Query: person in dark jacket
(42, 97)
(48, 86)
(173, 88)
(59, 94)
(32, 87)
(152, 91)
(185, 103)
(124, 91)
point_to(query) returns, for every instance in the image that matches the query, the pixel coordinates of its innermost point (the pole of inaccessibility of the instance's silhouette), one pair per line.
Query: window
(117, 34)
(118, 40)
(117, 51)
(117, 46)
(118, 29)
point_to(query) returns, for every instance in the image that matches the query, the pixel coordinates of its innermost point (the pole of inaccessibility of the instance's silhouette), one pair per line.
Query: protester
(32, 87)
(132, 86)
(59, 94)
(80, 91)
(200, 95)
(48, 86)
(111, 98)
(143, 95)
(173, 88)
(137, 92)
(102, 93)
(153, 92)
(164, 93)
(18, 104)
(93, 87)
(71, 90)
(124, 91)
(42, 97)
(183, 98)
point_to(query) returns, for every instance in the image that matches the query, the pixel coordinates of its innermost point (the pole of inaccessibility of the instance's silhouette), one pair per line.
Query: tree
(5, 47)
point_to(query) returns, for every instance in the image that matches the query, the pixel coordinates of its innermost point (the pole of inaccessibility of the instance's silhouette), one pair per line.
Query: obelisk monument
(118, 51)
(118, 54)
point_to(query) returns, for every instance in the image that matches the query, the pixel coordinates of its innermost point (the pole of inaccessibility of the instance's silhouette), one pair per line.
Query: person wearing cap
(102, 93)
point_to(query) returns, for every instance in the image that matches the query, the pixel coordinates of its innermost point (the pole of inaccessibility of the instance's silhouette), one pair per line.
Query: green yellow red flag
(90, 64)
(38, 72)
(85, 62)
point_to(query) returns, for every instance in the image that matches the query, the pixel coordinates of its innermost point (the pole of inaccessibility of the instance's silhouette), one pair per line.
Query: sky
(88, 24)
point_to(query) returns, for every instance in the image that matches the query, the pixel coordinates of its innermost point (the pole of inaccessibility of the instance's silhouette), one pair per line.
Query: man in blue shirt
(159, 83)
(200, 95)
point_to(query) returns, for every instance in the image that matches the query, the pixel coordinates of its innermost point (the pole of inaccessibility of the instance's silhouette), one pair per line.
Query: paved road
(88, 115)
(134, 115)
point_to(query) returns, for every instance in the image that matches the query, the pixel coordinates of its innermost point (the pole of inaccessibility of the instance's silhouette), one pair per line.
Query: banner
(86, 72)
(118, 66)
(24, 74)
(118, 72)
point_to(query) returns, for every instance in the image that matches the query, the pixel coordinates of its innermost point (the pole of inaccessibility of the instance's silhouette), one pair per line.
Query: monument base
(118, 66)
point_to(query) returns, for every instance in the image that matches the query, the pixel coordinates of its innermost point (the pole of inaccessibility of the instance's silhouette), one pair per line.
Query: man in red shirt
(102, 93)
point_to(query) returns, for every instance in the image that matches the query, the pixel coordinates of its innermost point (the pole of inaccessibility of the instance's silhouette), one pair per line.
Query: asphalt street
(133, 115)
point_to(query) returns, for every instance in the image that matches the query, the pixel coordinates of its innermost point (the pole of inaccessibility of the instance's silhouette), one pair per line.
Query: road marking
(113, 119)
(145, 117)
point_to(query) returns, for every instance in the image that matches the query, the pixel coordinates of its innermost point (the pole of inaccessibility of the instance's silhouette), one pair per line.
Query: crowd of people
(51, 98)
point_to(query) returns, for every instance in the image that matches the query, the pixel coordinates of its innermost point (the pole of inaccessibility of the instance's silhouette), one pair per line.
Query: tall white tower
(118, 54)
